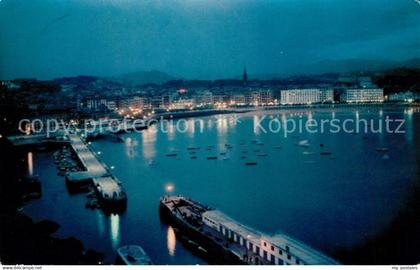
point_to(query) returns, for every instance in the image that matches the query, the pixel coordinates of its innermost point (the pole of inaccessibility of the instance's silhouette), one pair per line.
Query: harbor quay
(108, 191)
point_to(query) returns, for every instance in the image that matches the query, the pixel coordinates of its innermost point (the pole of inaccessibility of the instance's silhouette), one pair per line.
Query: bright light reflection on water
(171, 239)
(30, 164)
(115, 230)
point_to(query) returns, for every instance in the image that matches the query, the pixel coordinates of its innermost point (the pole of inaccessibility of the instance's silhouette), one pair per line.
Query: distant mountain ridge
(319, 68)
(340, 66)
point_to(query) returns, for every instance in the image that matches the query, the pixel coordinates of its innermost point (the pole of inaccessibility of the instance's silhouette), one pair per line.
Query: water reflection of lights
(171, 241)
(130, 147)
(222, 125)
(115, 230)
(409, 111)
(283, 118)
(209, 124)
(408, 125)
(148, 141)
(30, 164)
(101, 222)
(310, 115)
(256, 123)
(190, 127)
(171, 131)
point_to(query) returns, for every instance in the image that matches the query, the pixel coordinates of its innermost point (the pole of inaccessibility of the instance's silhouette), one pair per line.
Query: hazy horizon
(199, 39)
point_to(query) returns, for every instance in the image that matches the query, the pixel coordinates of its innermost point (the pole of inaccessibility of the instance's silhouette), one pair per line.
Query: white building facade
(306, 96)
(358, 95)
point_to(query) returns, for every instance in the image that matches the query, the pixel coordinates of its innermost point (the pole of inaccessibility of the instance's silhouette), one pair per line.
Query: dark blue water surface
(327, 201)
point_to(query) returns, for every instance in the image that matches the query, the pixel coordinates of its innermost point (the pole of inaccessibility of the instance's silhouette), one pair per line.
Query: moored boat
(132, 255)
(226, 241)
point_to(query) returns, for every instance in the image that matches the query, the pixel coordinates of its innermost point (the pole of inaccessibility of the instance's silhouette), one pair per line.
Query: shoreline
(41, 244)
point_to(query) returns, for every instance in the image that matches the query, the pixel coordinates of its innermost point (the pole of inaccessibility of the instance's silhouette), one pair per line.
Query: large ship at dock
(223, 240)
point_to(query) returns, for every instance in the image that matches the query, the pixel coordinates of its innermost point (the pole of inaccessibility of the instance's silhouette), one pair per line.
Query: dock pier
(109, 189)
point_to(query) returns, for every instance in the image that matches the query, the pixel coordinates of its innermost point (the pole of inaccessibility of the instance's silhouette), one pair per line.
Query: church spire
(245, 77)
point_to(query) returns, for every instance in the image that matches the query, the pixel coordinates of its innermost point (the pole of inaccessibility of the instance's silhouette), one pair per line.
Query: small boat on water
(193, 157)
(213, 157)
(307, 153)
(225, 158)
(193, 148)
(171, 155)
(303, 143)
(152, 162)
(325, 153)
(250, 163)
(243, 157)
(132, 255)
(223, 153)
(382, 149)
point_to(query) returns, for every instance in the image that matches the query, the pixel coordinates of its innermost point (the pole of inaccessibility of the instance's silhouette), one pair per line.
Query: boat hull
(214, 253)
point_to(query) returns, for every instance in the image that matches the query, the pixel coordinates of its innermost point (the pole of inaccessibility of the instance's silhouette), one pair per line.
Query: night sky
(199, 39)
